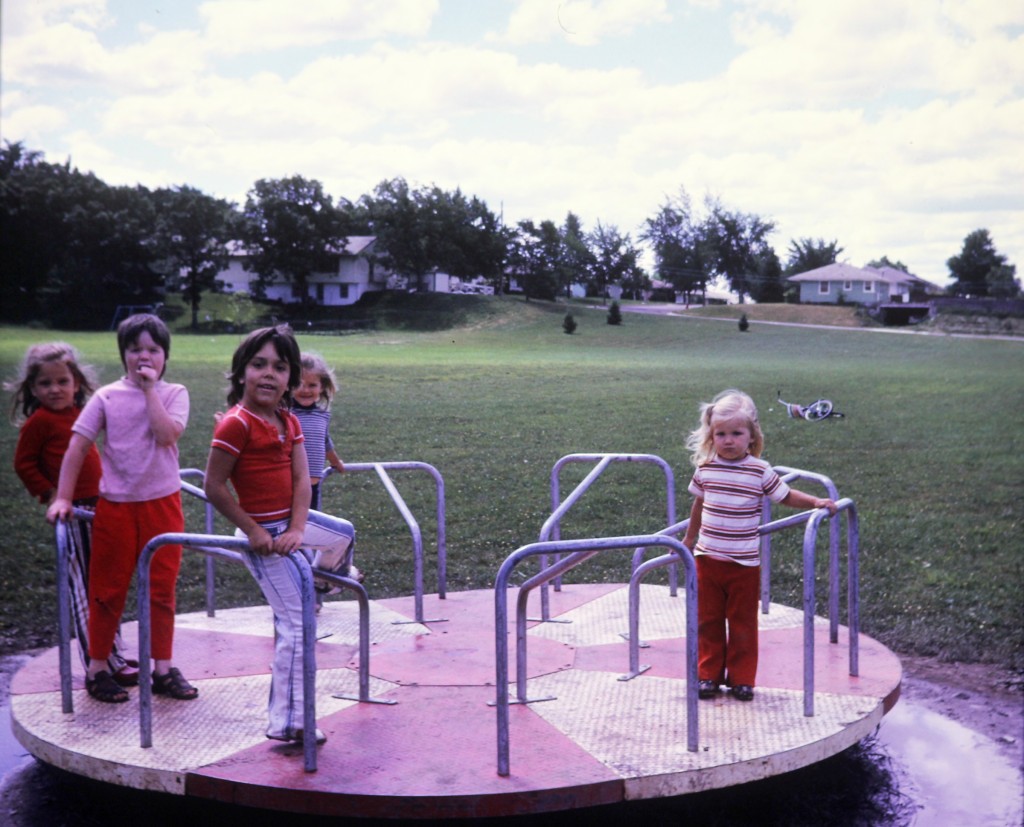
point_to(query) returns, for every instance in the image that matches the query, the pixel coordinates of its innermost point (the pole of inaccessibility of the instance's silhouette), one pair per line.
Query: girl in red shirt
(48, 394)
(257, 446)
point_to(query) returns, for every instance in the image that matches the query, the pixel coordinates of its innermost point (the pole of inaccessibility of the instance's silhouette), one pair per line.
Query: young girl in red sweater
(51, 388)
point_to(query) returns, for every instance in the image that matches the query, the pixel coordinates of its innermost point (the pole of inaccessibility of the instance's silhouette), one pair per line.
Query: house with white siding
(356, 274)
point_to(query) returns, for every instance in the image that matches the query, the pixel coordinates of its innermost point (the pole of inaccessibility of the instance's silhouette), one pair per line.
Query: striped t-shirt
(316, 423)
(732, 492)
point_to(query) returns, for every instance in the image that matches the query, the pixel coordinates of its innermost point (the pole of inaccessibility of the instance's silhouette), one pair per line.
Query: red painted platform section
(433, 754)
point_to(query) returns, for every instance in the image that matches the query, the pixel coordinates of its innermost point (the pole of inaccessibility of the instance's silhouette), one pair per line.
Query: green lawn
(930, 450)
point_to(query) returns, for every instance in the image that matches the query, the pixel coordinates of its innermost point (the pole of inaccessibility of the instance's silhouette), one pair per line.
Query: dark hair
(131, 328)
(287, 348)
(25, 402)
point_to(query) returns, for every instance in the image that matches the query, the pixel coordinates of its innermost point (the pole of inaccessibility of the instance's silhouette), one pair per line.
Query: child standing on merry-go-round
(140, 418)
(48, 395)
(728, 486)
(258, 447)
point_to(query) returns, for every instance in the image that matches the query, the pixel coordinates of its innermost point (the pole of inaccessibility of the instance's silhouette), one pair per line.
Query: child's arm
(218, 469)
(798, 499)
(335, 461)
(61, 507)
(291, 539)
(27, 454)
(165, 429)
(696, 511)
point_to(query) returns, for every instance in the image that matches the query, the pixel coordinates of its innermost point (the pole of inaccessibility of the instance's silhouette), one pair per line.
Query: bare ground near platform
(981, 697)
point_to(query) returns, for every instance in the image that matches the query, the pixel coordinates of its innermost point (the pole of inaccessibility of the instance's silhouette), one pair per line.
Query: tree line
(75, 247)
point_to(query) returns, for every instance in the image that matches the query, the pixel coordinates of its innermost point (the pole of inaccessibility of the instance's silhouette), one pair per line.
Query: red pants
(119, 533)
(727, 593)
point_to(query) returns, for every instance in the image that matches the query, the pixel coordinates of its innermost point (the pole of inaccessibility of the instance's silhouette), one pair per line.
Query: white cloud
(254, 26)
(25, 18)
(582, 22)
(31, 123)
(895, 130)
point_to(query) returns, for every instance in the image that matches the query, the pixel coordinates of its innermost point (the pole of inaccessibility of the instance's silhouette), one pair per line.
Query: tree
(766, 284)
(615, 258)
(884, 261)
(32, 229)
(73, 247)
(979, 270)
(192, 234)
(535, 255)
(426, 230)
(292, 229)
(808, 254)
(468, 238)
(577, 260)
(108, 258)
(676, 241)
(734, 243)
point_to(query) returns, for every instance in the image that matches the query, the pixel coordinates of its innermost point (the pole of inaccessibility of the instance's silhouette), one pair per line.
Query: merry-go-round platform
(427, 746)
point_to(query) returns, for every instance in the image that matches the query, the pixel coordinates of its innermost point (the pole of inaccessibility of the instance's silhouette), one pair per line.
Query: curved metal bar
(381, 469)
(64, 607)
(812, 520)
(789, 474)
(551, 530)
(853, 585)
(209, 544)
(578, 551)
(690, 585)
(211, 566)
(64, 617)
(223, 547)
(810, 540)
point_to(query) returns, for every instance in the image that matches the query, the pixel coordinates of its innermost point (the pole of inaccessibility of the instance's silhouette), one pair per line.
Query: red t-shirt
(42, 442)
(262, 476)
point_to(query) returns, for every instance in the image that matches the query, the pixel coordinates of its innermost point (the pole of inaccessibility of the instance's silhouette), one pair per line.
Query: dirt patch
(983, 698)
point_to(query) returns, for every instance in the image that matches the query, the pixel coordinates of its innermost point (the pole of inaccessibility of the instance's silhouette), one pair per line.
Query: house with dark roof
(843, 283)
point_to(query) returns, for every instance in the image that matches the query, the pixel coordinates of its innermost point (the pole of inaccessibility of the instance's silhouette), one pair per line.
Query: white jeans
(278, 579)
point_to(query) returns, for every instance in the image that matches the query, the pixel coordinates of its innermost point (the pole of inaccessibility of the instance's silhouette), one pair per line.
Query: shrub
(569, 323)
(614, 314)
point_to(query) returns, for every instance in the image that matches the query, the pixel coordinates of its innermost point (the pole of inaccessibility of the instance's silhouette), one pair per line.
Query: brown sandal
(104, 688)
(174, 685)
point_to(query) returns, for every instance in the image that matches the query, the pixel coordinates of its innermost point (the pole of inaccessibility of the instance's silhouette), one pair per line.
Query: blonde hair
(25, 403)
(314, 363)
(729, 404)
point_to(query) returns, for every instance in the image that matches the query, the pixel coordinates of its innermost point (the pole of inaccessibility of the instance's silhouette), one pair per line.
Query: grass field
(930, 450)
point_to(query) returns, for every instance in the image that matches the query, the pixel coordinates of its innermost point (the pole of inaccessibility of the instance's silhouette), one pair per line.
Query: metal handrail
(578, 552)
(210, 514)
(225, 548)
(551, 530)
(789, 475)
(381, 469)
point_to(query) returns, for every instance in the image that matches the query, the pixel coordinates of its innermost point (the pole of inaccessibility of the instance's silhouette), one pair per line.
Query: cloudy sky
(895, 127)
